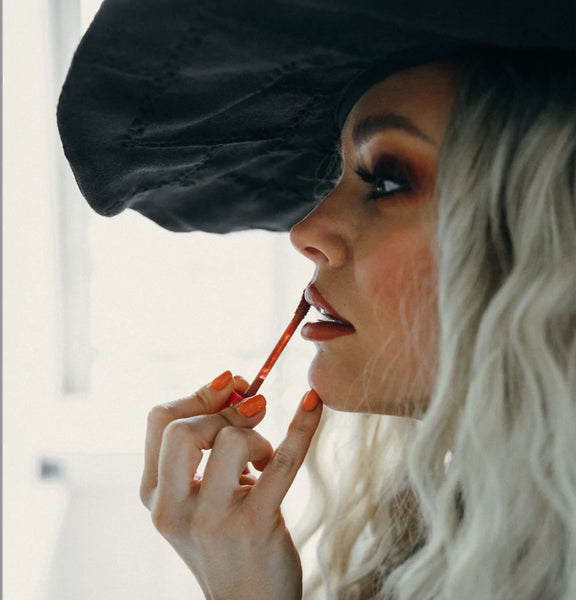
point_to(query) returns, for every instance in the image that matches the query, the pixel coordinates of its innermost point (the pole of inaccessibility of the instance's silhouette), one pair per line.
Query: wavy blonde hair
(478, 500)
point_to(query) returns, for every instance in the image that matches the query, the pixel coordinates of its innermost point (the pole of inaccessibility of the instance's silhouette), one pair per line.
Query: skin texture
(226, 524)
(374, 257)
(375, 265)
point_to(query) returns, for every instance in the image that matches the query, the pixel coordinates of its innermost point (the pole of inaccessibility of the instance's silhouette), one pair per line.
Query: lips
(332, 324)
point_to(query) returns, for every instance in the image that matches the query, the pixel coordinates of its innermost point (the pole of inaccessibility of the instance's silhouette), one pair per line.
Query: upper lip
(315, 299)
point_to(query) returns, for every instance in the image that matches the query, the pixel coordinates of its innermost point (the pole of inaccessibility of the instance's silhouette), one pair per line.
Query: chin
(345, 391)
(340, 390)
(334, 389)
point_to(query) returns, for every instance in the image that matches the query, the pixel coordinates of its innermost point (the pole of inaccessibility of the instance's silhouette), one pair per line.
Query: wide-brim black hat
(222, 115)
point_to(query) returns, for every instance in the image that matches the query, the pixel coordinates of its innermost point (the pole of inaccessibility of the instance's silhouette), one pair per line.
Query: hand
(227, 525)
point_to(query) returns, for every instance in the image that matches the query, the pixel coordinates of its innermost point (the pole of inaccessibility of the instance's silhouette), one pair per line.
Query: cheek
(404, 330)
(394, 260)
(399, 278)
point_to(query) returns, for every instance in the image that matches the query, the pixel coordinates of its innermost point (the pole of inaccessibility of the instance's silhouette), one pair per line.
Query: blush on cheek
(399, 272)
(402, 287)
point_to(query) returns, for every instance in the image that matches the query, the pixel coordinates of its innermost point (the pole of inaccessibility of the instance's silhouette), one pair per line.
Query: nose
(320, 236)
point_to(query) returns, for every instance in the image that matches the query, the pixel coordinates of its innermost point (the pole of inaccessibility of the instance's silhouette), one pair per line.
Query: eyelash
(384, 172)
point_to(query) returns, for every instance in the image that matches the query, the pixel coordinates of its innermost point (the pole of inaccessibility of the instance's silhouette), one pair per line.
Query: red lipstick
(301, 311)
(332, 324)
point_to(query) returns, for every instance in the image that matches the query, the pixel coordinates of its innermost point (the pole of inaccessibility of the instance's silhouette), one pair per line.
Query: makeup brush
(298, 317)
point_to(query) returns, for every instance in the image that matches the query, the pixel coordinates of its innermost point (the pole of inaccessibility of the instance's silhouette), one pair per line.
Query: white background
(103, 319)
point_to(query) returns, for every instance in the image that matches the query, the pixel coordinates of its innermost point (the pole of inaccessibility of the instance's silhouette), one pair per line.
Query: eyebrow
(366, 128)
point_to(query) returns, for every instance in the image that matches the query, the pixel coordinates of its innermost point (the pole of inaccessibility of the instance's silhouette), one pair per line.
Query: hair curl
(480, 499)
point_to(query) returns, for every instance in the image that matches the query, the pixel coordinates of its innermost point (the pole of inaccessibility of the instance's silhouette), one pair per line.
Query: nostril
(314, 253)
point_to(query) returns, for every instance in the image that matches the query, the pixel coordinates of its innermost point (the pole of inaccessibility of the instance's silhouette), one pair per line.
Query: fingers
(183, 441)
(233, 449)
(206, 401)
(178, 432)
(233, 444)
(270, 489)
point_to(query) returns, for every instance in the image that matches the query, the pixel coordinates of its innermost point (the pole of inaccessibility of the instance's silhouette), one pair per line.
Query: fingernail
(251, 406)
(310, 401)
(221, 381)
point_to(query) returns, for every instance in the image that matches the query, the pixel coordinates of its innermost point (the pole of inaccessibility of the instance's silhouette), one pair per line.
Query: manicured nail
(251, 406)
(221, 381)
(310, 401)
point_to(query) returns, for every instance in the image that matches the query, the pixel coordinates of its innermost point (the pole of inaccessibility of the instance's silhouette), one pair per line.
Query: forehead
(422, 96)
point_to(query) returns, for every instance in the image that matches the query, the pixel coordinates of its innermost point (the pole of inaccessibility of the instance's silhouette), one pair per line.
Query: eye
(388, 179)
(385, 187)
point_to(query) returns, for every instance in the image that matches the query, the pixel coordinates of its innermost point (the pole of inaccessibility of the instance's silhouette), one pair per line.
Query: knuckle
(177, 429)
(145, 495)
(164, 520)
(251, 521)
(283, 462)
(224, 419)
(203, 400)
(161, 415)
(298, 429)
(230, 436)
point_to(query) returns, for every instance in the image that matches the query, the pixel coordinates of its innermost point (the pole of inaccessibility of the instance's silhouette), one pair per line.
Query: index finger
(276, 479)
(207, 400)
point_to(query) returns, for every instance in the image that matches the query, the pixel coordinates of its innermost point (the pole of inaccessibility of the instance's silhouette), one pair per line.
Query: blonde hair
(479, 500)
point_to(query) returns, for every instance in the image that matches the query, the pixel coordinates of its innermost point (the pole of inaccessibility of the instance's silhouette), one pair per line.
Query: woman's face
(372, 242)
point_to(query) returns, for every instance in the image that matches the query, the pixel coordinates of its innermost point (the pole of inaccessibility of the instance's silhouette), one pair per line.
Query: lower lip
(323, 331)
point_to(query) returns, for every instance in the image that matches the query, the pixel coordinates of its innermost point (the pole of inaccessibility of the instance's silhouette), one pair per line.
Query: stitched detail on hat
(192, 37)
(314, 101)
(209, 142)
(186, 179)
(313, 105)
(137, 128)
(254, 185)
(112, 62)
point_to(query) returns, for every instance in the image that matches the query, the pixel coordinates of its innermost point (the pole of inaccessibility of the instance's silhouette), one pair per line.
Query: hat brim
(220, 116)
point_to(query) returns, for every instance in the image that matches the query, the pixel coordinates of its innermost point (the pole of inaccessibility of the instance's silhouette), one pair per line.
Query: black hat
(222, 115)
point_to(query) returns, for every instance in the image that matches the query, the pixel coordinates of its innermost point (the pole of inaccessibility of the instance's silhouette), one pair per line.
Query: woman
(445, 258)
(494, 373)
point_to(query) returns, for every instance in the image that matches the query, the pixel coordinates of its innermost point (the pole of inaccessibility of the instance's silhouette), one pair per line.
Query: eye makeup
(390, 176)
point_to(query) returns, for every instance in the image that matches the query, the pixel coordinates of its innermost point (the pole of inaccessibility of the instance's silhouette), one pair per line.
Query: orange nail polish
(221, 381)
(310, 401)
(251, 406)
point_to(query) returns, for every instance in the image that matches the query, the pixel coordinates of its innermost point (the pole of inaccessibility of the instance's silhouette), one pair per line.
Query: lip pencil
(299, 314)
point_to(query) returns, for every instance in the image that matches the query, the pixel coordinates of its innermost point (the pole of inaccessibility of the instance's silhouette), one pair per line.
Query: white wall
(82, 533)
